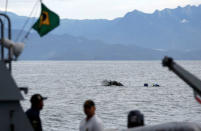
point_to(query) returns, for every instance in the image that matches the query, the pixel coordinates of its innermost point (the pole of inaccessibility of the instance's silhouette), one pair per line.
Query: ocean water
(67, 84)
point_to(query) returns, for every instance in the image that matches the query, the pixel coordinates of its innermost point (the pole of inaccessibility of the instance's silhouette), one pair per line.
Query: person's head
(135, 118)
(37, 101)
(89, 108)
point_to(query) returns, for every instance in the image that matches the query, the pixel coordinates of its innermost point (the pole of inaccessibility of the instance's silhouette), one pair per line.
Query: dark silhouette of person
(135, 119)
(33, 113)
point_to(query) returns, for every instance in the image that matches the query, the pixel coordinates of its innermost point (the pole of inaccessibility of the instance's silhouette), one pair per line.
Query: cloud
(184, 21)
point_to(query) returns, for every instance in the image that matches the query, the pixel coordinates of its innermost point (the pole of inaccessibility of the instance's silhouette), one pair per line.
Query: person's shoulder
(97, 120)
(32, 113)
(83, 121)
(97, 124)
(82, 124)
(28, 111)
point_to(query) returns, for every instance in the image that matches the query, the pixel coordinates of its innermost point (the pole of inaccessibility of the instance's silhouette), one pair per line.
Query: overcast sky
(93, 9)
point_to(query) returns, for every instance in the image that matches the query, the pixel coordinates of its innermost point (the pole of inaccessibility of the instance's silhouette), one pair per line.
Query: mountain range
(136, 36)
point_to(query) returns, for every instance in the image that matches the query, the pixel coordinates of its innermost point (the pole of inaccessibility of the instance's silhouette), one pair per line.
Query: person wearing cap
(33, 113)
(91, 122)
(135, 119)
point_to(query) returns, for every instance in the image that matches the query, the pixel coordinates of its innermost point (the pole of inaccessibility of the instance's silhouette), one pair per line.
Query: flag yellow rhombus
(44, 18)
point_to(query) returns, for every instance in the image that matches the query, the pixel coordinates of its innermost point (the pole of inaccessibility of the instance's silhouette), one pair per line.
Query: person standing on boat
(91, 122)
(33, 113)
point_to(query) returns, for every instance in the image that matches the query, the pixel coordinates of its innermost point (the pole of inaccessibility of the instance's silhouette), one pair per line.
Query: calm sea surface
(67, 84)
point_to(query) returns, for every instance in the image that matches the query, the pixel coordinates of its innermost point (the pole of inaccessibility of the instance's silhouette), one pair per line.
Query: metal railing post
(9, 37)
(2, 36)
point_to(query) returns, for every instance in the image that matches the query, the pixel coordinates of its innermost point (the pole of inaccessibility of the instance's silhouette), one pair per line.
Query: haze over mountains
(136, 36)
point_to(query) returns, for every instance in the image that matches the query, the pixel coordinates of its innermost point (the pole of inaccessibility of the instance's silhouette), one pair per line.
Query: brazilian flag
(48, 21)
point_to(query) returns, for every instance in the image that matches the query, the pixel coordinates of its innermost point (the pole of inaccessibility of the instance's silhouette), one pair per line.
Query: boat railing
(171, 126)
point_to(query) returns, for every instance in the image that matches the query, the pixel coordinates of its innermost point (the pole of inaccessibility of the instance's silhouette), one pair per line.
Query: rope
(26, 22)
(26, 35)
(6, 6)
(29, 31)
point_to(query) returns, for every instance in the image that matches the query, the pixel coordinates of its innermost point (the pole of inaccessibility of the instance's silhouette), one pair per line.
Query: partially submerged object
(156, 85)
(146, 84)
(111, 83)
(153, 85)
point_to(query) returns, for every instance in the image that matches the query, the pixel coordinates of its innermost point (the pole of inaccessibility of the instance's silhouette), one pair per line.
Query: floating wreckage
(153, 85)
(146, 84)
(111, 83)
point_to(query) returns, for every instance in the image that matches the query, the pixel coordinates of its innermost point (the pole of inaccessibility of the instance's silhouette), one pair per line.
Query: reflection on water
(69, 83)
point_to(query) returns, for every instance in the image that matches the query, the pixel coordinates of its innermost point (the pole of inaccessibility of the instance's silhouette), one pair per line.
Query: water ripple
(69, 83)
